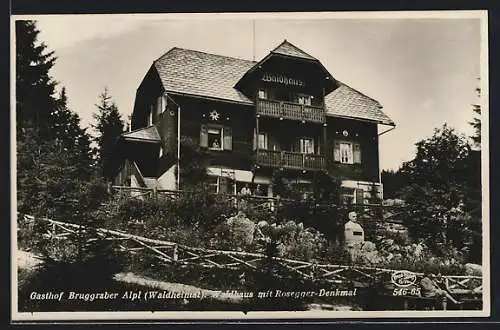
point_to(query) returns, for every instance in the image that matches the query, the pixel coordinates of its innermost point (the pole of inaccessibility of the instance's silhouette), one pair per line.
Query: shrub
(294, 241)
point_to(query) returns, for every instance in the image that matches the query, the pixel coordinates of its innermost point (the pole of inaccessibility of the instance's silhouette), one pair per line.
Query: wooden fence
(177, 254)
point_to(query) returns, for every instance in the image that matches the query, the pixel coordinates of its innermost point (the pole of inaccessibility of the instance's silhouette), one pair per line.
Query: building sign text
(281, 79)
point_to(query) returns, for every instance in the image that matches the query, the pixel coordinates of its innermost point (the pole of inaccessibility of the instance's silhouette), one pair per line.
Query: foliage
(53, 152)
(66, 130)
(109, 126)
(34, 85)
(393, 182)
(438, 191)
(476, 123)
(326, 188)
(296, 242)
(193, 164)
(49, 177)
(65, 259)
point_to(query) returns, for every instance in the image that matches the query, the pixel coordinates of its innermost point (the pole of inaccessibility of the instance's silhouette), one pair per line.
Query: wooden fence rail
(177, 254)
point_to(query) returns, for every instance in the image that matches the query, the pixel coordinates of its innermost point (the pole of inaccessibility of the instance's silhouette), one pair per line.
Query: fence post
(445, 303)
(175, 255)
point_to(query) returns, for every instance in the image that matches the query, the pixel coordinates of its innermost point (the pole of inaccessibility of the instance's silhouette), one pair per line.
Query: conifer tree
(109, 126)
(65, 128)
(34, 85)
(53, 151)
(476, 122)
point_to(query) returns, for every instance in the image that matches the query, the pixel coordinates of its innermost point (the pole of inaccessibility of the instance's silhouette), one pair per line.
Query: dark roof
(345, 101)
(143, 134)
(286, 48)
(202, 74)
(196, 73)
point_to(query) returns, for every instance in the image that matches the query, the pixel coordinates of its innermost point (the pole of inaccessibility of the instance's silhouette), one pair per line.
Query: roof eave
(131, 139)
(381, 122)
(209, 98)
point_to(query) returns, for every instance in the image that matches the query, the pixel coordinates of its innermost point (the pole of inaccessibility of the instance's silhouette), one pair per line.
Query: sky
(424, 71)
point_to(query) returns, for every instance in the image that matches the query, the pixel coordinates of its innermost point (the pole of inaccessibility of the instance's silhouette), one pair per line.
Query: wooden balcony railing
(288, 110)
(288, 159)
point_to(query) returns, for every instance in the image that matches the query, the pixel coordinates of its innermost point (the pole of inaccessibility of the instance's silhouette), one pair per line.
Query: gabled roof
(287, 49)
(347, 102)
(198, 74)
(143, 134)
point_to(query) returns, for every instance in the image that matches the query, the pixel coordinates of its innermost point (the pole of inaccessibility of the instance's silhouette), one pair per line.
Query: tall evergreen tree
(34, 85)
(53, 158)
(475, 189)
(65, 128)
(476, 122)
(109, 126)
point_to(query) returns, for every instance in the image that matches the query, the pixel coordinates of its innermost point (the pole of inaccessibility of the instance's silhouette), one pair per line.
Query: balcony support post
(257, 133)
(324, 146)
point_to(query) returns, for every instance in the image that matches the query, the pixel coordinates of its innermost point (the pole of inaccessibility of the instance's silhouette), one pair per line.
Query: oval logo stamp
(403, 278)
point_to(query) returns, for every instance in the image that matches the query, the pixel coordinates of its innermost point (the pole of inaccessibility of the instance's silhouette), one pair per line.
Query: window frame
(265, 140)
(351, 153)
(304, 97)
(225, 137)
(265, 94)
(221, 137)
(212, 184)
(301, 145)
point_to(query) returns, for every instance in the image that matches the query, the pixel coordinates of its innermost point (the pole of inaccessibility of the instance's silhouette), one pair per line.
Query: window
(360, 196)
(347, 195)
(304, 99)
(263, 94)
(213, 184)
(216, 137)
(262, 141)
(347, 152)
(306, 145)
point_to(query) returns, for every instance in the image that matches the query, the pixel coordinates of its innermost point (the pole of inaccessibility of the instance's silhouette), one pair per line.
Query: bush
(293, 241)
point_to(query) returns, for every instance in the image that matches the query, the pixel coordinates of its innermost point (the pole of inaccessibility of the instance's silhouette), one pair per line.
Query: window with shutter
(215, 138)
(204, 136)
(347, 152)
(356, 153)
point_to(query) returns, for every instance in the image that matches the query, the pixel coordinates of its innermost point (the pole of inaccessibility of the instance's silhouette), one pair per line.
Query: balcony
(290, 160)
(289, 110)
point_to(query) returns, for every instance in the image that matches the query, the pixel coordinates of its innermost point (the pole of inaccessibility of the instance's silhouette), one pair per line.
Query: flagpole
(253, 35)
